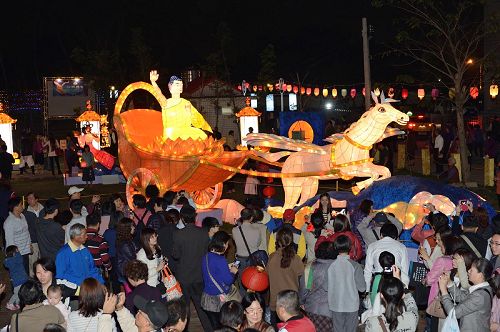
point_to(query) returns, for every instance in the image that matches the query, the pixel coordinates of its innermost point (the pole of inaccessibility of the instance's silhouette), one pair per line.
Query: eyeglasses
(254, 311)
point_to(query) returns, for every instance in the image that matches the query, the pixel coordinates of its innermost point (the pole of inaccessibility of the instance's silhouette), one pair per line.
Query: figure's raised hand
(153, 76)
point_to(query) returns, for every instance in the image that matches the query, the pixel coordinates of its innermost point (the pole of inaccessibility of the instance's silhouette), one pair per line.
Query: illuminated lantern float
(6, 128)
(170, 148)
(249, 118)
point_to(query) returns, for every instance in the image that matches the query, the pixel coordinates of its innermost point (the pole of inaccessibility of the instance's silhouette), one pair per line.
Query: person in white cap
(75, 193)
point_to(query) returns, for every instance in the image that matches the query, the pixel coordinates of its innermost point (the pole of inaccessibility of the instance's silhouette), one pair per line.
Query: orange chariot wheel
(208, 197)
(137, 182)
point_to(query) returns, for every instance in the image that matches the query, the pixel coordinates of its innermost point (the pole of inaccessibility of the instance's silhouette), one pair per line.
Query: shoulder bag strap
(212, 278)
(375, 233)
(245, 240)
(469, 243)
(382, 324)
(17, 322)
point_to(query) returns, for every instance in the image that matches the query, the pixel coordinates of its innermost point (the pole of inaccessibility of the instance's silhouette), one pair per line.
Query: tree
(267, 73)
(444, 36)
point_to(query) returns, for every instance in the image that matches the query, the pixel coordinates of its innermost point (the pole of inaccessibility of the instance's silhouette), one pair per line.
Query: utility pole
(366, 64)
(281, 82)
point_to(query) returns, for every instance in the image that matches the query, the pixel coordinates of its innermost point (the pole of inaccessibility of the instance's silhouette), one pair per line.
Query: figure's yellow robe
(183, 121)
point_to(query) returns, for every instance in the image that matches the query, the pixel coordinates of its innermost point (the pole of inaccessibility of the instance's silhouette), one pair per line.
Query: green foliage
(267, 71)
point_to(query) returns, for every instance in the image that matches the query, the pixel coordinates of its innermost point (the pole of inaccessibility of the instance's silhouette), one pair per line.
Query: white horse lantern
(348, 153)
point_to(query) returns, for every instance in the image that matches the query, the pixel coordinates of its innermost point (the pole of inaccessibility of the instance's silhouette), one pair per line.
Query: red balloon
(255, 278)
(269, 191)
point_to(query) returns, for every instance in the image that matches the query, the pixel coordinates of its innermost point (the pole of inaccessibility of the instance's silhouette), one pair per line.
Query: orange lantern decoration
(493, 91)
(289, 88)
(302, 90)
(269, 191)
(295, 89)
(316, 92)
(334, 93)
(404, 93)
(325, 93)
(270, 87)
(255, 88)
(420, 94)
(390, 92)
(308, 91)
(255, 278)
(353, 93)
(474, 92)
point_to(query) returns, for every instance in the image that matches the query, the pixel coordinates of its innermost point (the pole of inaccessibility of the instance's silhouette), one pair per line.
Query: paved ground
(47, 185)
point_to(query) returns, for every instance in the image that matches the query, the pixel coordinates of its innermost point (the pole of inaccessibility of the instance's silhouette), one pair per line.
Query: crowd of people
(104, 266)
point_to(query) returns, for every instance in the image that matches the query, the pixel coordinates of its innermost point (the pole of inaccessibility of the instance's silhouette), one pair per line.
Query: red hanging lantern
(269, 191)
(404, 93)
(353, 93)
(260, 88)
(239, 87)
(434, 93)
(363, 92)
(295, 89)
(308, 91)
(284, 86)
(247, 85)
(316, 92)
(255, 278)
(474, 92)
(302, 90)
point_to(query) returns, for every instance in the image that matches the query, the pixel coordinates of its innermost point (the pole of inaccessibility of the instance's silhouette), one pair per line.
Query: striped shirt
(99, 249)
(17, 233)
(79, 323)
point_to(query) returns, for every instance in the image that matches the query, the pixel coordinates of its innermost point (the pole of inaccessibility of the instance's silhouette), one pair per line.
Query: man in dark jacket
(190, 245)
(6, 161)
(27, 153)
(32, 213)
(473, 241)
(50, 234)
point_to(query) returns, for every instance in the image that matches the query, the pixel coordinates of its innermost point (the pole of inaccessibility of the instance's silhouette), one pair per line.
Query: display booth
(304, 126)
(6, 129)
(248, 118)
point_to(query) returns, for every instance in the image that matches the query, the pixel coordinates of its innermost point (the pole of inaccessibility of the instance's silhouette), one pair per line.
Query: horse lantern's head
(386, 113)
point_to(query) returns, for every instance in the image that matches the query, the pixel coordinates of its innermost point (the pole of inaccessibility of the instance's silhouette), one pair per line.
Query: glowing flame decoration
(347, 156)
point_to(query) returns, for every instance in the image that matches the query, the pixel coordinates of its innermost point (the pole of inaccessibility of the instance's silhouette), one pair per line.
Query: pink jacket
(420, 235)
(442, 264)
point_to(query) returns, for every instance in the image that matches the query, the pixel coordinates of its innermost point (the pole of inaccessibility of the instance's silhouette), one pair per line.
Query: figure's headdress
(173, 79)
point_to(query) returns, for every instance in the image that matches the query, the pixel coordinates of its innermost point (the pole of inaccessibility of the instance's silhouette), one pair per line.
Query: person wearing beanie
(370, 226)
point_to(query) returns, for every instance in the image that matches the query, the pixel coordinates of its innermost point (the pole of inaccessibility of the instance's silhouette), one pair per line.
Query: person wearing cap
(473, 241)
(151, 316)
(298, 236)
(75, 193)
(369, 228)
(50, 234)
(388, 242)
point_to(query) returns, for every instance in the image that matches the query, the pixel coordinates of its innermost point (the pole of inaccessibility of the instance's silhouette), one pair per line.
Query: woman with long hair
(125, 248)
(150, 254)
(284, 268)
(401, 311)
(472, 306)
(254, 306)
(91, 300)
(218, 276)
(342, 226)
(325, 208)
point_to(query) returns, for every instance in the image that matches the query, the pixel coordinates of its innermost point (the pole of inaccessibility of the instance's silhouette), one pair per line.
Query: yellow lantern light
(289, 88)
(421, 94)
(377, 92)
(343, 92)
(334, 93)
(325, 93)
(493, 91)
(270, 87)
(6, 129)
(316, 92)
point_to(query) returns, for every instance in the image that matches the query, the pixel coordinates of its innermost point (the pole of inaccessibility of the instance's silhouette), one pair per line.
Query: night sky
(318, 40)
